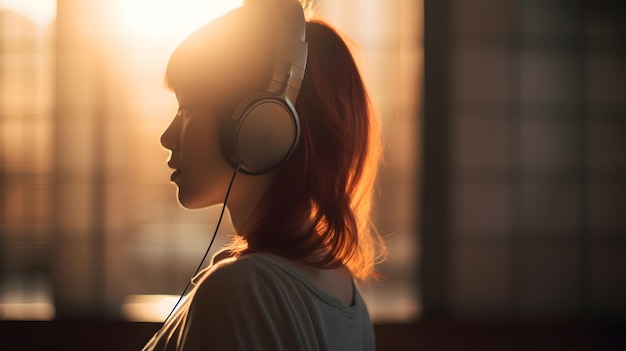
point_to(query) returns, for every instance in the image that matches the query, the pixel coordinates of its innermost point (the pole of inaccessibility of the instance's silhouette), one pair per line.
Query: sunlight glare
(148, 31)
(148, 308)
(41, 12)
(162, 19)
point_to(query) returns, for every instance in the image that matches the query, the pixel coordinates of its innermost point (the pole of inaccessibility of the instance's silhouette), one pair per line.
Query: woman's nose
(169, 138)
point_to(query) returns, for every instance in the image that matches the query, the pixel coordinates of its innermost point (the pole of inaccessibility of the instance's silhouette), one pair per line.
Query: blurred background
(502, 196)
(91, 227)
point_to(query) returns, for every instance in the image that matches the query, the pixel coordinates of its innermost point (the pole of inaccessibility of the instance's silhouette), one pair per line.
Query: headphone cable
(206, 253)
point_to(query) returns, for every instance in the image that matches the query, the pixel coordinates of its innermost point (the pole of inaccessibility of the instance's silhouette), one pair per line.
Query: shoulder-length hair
(329, 179)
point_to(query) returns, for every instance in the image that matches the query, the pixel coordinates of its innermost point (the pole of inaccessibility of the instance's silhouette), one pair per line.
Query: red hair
(329, 178)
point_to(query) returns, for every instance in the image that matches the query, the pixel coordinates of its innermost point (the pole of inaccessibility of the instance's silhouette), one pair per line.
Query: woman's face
(200, 172)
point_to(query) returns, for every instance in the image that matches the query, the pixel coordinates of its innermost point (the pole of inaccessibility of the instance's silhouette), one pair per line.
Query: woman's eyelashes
(184, 110)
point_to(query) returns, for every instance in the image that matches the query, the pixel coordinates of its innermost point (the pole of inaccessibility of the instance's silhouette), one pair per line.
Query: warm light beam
(148, 308)
(40, 12)
(163, 19)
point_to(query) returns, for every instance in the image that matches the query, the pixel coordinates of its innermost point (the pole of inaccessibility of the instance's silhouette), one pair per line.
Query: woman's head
(210, 72)
(317, 204)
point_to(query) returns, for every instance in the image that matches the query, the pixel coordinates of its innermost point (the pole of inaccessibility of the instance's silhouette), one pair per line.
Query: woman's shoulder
(265, 273)
(246, 273)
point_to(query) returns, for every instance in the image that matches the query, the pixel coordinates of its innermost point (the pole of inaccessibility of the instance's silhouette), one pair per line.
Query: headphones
(265, 127)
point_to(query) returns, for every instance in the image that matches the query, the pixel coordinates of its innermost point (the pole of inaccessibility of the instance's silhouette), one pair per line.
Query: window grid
(535, 159)
(26, 95)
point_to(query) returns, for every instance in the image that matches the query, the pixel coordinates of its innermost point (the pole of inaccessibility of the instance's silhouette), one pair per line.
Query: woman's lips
(175, 175)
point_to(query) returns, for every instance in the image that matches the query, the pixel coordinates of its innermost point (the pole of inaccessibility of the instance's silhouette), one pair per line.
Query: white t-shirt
(255, 302)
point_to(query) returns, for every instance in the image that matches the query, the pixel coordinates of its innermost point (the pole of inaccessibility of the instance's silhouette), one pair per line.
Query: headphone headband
(289, 67)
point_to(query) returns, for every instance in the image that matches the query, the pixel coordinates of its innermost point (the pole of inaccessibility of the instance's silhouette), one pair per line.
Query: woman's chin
(190, 206)
(194, 202)
(189, 202)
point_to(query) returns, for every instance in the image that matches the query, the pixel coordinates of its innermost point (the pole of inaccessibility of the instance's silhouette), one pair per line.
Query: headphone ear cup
(263, 135)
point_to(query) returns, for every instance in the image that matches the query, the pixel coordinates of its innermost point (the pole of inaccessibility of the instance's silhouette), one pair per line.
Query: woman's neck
(248, 192)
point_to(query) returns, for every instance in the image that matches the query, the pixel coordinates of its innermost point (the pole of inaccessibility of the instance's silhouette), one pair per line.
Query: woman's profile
(274, 121)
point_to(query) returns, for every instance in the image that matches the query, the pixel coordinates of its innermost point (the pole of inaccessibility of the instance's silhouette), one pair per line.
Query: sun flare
(159, 19)
(40, 12)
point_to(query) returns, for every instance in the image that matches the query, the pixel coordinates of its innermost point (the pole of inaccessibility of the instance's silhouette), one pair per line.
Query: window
(26, 104)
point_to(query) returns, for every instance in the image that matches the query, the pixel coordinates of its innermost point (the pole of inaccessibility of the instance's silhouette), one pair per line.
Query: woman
(286, 282)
